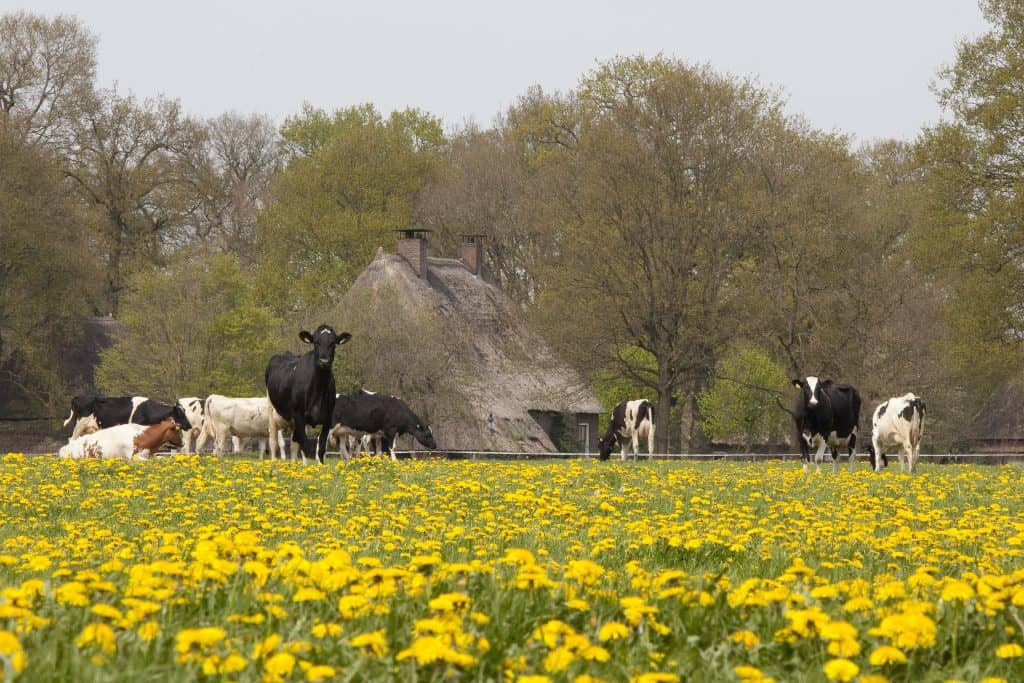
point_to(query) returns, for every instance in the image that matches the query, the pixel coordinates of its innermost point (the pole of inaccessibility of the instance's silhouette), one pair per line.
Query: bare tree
(126, 158)
(47, 68)
(231, 173)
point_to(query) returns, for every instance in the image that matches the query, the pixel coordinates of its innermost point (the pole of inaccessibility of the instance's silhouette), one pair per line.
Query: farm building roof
(508, 368)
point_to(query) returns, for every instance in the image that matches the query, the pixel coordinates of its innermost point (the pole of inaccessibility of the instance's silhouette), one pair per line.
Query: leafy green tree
(743, 401)
(972, 239)
(48, 273)
(352, 178)
(193, 328)
(659, 166)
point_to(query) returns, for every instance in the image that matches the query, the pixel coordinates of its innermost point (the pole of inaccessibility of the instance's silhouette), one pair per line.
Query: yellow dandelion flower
(149, 630)
(1009, 651)
(885, 655)
(10, 647)
(840, 670)
(747, 639)
(613, 630)
(374, 641)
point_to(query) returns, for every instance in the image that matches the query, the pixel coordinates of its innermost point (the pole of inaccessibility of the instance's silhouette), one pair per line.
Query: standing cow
(366, 413)
(196, 414)
(826, 414)
(897, 423)
(240, 418)
(301, 388)
(631, 421)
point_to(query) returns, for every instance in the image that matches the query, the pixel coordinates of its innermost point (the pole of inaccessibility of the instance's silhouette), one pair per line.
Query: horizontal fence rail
(953, 458)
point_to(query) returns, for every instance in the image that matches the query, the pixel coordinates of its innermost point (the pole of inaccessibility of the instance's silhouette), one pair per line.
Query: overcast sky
(859, 67)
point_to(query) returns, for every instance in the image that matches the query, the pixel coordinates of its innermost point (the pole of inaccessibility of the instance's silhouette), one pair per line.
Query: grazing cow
(110, 411)
(364, 412)
(631, 421)
(826, 414)
(301, 388)
(195, 412)
(239, 418)
(124, 441)
(897, 423)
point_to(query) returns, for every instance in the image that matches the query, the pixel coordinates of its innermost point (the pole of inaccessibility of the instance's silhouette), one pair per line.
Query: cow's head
(422, 433)
(180, 418)
(324, 340)
(811, 389)
(604, 447)
(171, 432)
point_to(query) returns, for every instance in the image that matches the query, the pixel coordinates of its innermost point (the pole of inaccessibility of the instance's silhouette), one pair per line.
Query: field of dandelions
(198, 568)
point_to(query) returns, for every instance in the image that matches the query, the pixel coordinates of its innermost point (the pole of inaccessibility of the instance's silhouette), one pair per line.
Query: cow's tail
(70, 418)
(645, 411)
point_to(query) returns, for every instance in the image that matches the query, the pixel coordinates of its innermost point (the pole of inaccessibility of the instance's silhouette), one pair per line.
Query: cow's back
(279, 378)
(245, 416)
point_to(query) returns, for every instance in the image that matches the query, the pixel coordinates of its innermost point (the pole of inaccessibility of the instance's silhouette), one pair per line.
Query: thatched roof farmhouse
(520, 396)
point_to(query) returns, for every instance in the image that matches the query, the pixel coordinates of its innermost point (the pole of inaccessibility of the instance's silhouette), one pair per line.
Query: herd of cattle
(301, 393)
(826, 414)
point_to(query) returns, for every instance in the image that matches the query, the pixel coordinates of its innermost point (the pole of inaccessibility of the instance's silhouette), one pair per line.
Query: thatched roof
(507, 370)
(1001, 418)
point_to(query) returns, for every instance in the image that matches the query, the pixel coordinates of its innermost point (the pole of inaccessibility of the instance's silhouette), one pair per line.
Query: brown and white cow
(124, 441)
(897, 423)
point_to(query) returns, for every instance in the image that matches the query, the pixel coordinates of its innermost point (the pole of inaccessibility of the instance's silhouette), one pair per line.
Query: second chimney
(471, 252)
(412, 246)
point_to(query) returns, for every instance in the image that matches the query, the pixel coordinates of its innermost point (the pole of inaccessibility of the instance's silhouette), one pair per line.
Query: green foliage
(613, 386)
(741, 403)
(351, 181)
(974, 170)
(47, 274)
(193, 328)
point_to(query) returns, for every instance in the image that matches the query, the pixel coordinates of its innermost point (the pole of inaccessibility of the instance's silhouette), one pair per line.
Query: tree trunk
(661, 418)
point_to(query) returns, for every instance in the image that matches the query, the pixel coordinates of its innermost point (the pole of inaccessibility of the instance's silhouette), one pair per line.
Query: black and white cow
(897, 423)
(301, 388)
(826, 414)
(109, 411)
(631, 421)
(195, 411)
(364, 412)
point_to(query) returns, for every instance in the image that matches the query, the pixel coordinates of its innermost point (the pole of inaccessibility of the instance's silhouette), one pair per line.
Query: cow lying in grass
(124, 441)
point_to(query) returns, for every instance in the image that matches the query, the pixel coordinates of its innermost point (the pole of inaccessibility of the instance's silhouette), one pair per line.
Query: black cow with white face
(826, 414)
(365, 412)
(301, 388)
(99, 412)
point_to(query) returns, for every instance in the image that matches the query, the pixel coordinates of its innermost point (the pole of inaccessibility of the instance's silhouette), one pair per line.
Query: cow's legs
(917, 455)
(853, 448)
(911, 460)
(650, 439)
(391, 436)
(219, 440)
(204, 435)
(834, 452)
(321, 442)
(299, 436)
(635, 440)
(819, 456)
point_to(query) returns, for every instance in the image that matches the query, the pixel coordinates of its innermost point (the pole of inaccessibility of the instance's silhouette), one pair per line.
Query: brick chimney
(471, 252)
(412, 246)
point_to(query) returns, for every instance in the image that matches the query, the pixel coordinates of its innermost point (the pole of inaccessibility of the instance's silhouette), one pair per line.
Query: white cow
(240, 418)
(897, 423)
(123, 441)
(196, 414)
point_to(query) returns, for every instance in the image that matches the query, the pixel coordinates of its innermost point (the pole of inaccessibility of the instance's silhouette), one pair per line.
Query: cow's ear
(343, 338)
(797, 383)
(306, 337)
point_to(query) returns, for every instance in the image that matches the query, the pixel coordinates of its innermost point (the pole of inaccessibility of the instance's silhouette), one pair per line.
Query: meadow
(189, 568)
